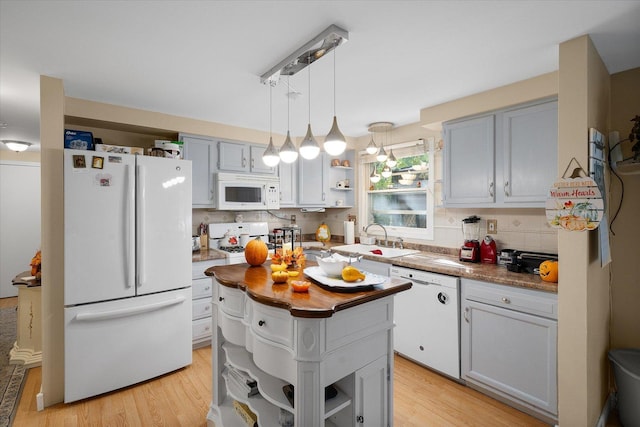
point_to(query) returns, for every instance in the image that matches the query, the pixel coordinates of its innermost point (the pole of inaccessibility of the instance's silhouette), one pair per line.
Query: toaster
(524, 261)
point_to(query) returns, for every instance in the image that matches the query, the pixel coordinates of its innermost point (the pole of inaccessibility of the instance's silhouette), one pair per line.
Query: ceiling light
(335, 143)
(16, 146)
(372, 148)
(332, 37)
(309, 148)
(374, 177)
(270, 156)
(386, 172)
(380, 127)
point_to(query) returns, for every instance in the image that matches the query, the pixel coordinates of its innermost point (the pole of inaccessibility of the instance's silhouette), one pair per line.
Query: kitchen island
(333, 351)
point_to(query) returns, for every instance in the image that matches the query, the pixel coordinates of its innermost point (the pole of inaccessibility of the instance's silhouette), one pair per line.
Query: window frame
(402, 150)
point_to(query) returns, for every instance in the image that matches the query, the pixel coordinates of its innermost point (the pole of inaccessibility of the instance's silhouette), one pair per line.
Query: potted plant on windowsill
(630, 165)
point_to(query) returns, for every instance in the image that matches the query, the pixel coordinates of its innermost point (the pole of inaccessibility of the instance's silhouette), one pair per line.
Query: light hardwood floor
(421, 398)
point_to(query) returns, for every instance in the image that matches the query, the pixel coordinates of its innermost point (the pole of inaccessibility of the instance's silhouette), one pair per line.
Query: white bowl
(331, 266)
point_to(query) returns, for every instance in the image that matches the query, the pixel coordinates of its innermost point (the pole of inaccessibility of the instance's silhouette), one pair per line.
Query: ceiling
(203, 59)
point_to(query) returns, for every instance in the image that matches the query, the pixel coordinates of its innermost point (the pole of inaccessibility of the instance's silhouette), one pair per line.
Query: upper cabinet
(504, 159)
(530, 152)
(288, 173)
(322, 182)
(202, 153)
(313, 181)
(242, 157)
(469, 161)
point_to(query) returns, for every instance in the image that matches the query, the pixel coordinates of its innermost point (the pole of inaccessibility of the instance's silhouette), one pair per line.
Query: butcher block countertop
(317, 303)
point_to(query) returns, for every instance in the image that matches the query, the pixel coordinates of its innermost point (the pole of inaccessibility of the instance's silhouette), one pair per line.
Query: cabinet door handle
(206, 288)
(466, 314)
(253, 163)
(360, 419)
(220, 299)
(491, 188)
(506, 300)
(261, 323)
(506, 188)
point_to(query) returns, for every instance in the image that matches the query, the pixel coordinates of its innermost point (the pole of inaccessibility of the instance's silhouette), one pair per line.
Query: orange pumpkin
(256, 252)
(549, 271)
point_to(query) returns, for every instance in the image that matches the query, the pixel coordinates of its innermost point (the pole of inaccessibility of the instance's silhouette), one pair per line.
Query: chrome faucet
(386, 243)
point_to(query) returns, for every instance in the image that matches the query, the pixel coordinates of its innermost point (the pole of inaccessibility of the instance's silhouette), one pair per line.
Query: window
(402, 199)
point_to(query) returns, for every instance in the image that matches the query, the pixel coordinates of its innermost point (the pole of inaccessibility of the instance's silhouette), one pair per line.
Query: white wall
(19, 220)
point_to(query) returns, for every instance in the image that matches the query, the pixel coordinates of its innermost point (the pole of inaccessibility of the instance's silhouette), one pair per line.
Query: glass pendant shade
(270, 156)
(309, 148)
(386, 172)
(288, 153)
(391, 159)
(382, 155)
(335, 143)
(374, 177)
(372, 148)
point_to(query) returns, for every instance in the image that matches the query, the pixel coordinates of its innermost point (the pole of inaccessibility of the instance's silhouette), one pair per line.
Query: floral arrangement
(289, 257)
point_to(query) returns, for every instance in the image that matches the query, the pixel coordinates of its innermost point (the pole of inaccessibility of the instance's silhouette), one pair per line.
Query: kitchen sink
(381, 251)
(438, 259)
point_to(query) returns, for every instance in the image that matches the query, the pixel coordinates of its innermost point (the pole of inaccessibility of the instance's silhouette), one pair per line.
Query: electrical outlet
(492, 226)
(293, 219)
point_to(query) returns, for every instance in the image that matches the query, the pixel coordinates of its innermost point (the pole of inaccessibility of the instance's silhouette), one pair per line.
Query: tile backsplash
(524, 229)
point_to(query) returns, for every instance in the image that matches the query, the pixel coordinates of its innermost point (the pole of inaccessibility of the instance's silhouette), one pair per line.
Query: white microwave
(234, 192)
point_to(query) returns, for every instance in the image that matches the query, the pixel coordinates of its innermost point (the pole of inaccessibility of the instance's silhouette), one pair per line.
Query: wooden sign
(575, 204)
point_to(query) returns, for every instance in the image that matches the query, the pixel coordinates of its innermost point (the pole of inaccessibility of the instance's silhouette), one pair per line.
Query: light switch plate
(492, 226)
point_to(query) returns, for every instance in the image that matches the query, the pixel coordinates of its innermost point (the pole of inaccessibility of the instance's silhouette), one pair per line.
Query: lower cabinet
(509, 345)
(338, 369)
(201, 291)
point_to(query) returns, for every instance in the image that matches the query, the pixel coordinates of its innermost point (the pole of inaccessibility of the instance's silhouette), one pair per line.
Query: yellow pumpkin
(549, 271)
(256, 252)
(280, 276)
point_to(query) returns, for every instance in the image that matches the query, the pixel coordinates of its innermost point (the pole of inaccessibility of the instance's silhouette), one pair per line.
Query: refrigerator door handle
(125, 312)
(141, 225)
(129, 241)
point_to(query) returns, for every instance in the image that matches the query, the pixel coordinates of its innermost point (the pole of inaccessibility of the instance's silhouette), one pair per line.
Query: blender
(470, 250)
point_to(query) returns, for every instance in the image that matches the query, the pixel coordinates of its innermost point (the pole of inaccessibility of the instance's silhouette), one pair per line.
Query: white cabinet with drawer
(509, 345)
(201, 287)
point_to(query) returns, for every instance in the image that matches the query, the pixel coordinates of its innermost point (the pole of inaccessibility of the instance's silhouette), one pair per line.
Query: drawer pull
(506, 300)
(206, 329)
(220, 299)
(207, 288)
(206, 308)
(261, 323)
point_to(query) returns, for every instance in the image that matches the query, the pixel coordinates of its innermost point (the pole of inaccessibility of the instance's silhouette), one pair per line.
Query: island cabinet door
(371, 388)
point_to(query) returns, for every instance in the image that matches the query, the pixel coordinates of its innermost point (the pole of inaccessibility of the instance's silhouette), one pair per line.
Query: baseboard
(606, 410)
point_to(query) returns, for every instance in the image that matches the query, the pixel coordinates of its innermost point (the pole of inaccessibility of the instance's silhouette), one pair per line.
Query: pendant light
(334, 143)
(288, 153)
(391, 159)
(270, 156)
(374, 177)
(382, 155)
(386, 172)
(372, 148)
(309, 148)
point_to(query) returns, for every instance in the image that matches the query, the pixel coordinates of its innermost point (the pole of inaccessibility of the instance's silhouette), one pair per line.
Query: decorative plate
(336, 284)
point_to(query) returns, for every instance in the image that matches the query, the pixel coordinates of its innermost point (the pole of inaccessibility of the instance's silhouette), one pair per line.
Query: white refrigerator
(127, 268)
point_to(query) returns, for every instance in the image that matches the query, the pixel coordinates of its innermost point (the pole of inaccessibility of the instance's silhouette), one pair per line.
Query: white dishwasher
(427, 319)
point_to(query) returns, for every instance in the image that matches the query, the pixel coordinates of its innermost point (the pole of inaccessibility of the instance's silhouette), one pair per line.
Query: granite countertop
(207, 255)
(432, 259)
